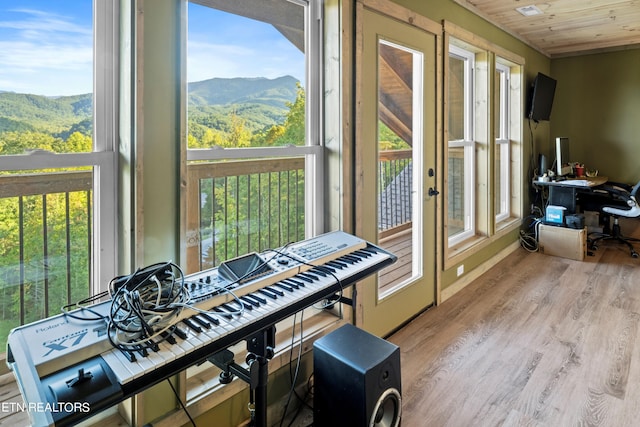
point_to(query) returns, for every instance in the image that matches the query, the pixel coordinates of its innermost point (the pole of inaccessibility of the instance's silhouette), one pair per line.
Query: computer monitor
(563, 164)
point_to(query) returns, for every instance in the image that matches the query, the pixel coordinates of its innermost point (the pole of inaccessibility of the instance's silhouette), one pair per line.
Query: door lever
(433, 191)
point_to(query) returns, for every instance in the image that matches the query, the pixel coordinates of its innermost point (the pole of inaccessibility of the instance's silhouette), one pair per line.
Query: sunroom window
(502, 149)
(461, 157)
(57, 179)
(253, 157)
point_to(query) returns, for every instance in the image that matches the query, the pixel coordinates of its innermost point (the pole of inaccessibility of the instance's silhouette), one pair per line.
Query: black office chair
(617, 200)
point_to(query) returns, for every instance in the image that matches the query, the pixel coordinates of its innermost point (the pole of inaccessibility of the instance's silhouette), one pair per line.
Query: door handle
(433, 191)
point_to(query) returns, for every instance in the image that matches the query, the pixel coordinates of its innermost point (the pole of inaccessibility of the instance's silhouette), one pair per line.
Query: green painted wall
(597, 106)
(157, 139)
(158, 124)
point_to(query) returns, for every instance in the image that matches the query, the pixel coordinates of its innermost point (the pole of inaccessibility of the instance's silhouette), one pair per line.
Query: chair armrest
(633, 212)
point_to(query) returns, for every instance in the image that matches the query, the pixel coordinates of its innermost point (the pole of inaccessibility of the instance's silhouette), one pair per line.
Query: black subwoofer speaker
(357, 380)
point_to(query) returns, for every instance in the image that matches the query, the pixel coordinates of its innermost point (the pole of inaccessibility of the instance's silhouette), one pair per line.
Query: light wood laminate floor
(535, 341)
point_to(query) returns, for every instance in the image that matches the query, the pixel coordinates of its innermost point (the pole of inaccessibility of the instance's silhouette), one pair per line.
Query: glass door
(396, 167)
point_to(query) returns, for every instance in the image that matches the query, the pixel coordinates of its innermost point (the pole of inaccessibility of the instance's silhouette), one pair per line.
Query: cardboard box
(563, 242)
(592, 222)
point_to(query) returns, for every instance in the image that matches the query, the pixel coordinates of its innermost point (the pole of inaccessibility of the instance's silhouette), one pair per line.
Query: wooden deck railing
(45, 244)
(395, 189)
(238, 207)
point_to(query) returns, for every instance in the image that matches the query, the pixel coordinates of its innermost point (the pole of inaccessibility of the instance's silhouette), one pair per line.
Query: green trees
(252, 211)
(233, 131)
(257, 207)
(44, 235)
(24, 142)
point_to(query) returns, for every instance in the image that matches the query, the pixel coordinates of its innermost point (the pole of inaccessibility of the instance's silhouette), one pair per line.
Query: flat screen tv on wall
(541, 98)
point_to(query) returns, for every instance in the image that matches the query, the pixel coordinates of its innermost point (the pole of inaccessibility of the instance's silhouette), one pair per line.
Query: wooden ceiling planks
(566, 26)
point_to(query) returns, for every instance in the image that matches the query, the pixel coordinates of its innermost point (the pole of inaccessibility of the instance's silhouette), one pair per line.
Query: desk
(565, 192)
(584, 182)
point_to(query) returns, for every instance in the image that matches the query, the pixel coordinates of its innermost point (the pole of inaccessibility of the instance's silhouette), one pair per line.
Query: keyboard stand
(260, 349)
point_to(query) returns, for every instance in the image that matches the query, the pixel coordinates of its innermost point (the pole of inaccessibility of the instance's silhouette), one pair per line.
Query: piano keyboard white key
(123, 371)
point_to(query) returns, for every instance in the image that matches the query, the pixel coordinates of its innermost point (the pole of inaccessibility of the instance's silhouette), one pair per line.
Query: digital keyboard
(69, 361)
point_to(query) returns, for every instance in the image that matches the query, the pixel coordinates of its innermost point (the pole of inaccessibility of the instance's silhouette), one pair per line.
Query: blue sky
(46, 47)
(240, 47)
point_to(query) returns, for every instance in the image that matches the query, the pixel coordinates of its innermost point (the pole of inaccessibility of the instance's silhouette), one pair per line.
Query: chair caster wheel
(634, 254)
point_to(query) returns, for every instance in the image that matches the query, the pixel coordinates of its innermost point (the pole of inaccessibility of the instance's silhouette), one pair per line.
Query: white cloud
(45, 54)
(38, 23)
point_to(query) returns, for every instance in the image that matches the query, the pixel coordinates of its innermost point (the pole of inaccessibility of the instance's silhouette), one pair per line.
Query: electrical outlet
(460, 270)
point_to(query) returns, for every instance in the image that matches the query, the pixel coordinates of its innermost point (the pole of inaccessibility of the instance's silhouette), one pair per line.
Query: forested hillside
(240, 112)
(273, 92)
(19, 111)
(218, 105)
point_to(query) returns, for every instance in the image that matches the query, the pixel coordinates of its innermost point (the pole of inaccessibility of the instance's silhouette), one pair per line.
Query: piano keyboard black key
(242, 305)
(361, 253)
(284, 286)
(250, 301)
(369, 250)
(153, 346)
(268, 293)
(168, 337)
(202, 322)
(319, 271)
(309, 276)
(301, 276)
(274, 290)
(337, 264)
(327, 268)
(353, 259)
(192, 325)
(296, 284)
(257, 298)
(346, 261)
(210, 318)
(180, 333)
(129, 355)
(223, 313)
(231, 310)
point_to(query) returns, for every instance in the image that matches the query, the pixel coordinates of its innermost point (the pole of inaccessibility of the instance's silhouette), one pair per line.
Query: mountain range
(261, 102)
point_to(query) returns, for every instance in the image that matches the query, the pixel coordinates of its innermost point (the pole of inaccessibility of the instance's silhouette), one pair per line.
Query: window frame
(503, 143)
(468, 145)
(312, 151)
(488, 231)
(103, 159)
